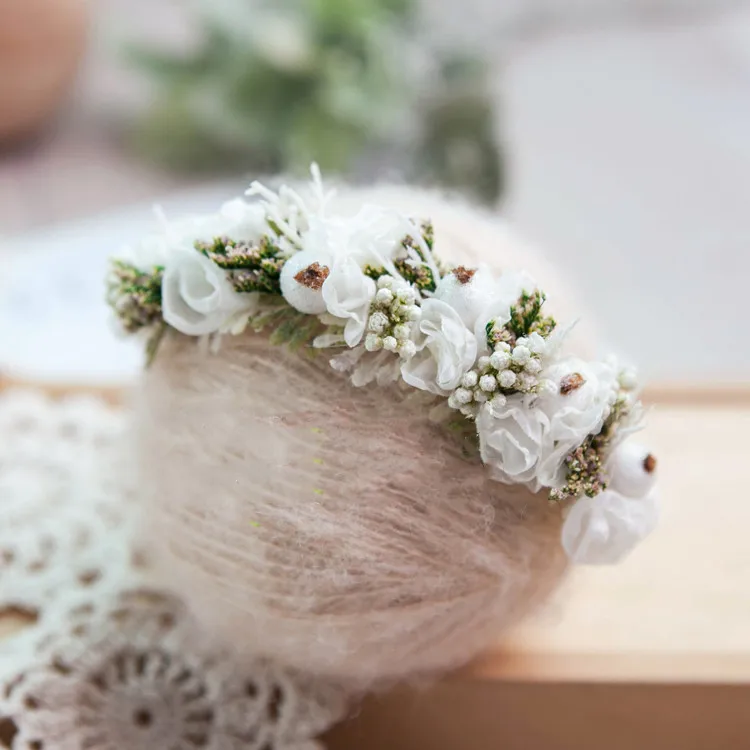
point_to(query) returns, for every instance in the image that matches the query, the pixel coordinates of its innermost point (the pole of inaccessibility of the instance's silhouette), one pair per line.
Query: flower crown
(370, 287)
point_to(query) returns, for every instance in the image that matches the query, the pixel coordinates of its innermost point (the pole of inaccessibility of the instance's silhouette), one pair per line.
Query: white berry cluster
(509, 369)
(392, 315)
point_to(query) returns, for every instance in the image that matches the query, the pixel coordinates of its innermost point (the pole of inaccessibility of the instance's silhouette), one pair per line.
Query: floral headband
(370, 288)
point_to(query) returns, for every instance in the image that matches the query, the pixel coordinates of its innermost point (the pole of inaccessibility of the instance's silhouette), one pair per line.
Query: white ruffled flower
(467, 291)
(348, 294)
(197, 297)
(446, 349)
(575, 409)
(513, 439)
(603, 530)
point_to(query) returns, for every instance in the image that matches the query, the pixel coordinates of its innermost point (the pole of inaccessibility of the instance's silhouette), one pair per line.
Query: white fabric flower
(446, 349)
(348, 294)
(513, 440)
(577, 408)
(507, 290)
(603, 530)
(468, 292)
(371, 236)
(197, 297)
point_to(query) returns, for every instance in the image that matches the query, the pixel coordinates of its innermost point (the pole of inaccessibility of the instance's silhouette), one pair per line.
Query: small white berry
(401, 332)
(507, 378)
(533, 366)
(632, 470)
(407, 349)
(384, 296)
(628, 379)
(521, 355)
(377, 323)
(390, 344)
(463, 395)
(385, 282)
(488, 383)
(483, 363)
(373, 342)
(499, 360)
(499, 400)
(470, 379)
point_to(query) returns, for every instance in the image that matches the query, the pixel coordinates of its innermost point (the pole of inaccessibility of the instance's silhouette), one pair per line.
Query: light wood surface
(679, 608)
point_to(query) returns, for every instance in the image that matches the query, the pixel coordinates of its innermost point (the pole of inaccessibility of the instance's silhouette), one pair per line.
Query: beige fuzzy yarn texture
(334, 528)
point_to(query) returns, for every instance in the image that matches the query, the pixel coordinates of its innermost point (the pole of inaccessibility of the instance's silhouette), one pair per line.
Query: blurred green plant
(275, 85)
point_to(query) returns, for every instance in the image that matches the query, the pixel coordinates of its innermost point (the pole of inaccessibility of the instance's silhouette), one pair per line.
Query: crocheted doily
(112, 662)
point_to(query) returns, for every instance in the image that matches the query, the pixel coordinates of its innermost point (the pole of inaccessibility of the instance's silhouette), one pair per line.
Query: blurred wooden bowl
(41, 43)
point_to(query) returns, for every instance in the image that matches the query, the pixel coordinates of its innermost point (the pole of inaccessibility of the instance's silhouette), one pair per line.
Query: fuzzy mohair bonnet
(334, 528)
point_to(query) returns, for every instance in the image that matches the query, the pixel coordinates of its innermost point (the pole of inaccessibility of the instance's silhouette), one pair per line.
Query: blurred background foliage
(356, 85)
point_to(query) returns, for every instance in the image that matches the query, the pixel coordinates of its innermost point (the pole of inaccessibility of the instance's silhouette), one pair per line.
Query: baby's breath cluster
(135, 295)
(584, 467)
(509, 369)
(392, 315)
(251, 267)
(525, 318)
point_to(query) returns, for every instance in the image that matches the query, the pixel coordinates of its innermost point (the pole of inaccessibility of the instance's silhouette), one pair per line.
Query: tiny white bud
(373, 342)
(527, 382)
(488, 383)
(413, 312)
(507, 378)
(533, 366)
(521, 355)
(470, 379)
(390, 344)
(469, 410)
(385, 282)
(628, 379)
(522, 341)
(407, 349)
(502, 346)
(499, 360)
(452, 401)
(377, 323)
(463, 395)
(480, 396)
(401, 332)
(407, 296)
(537, 344)
(384, 296)
(483, 363)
